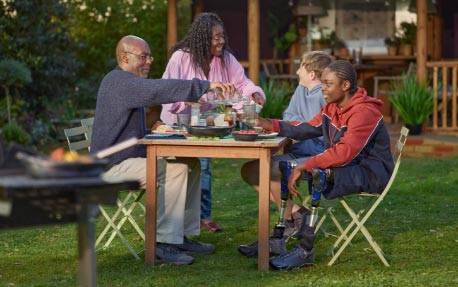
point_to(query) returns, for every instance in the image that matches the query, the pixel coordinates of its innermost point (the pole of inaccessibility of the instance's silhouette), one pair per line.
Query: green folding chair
(360, 217)
(79, 138)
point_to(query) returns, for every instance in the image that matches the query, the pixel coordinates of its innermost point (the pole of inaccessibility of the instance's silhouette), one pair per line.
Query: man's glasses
(143, 57)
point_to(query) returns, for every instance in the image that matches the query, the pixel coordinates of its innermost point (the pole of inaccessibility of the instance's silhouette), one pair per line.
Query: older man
(122, 96)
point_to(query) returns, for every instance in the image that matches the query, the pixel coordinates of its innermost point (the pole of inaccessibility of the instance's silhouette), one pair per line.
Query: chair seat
(79, 138)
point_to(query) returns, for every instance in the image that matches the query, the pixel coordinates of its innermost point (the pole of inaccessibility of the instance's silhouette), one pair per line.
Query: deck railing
(444, 77)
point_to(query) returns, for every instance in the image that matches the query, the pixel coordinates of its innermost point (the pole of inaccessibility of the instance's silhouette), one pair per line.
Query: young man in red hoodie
(357, 154)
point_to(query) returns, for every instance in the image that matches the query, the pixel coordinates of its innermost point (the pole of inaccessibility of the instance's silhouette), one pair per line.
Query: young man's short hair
(315, 61)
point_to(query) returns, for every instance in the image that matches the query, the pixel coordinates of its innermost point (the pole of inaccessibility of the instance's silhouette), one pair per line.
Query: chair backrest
(78, 138)
(269, 69)
(89, 122)
(412, 69)
(397, 153)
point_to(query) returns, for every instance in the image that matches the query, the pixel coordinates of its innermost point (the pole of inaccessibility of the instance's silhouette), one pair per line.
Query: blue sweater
(120, 114)
(304, 105)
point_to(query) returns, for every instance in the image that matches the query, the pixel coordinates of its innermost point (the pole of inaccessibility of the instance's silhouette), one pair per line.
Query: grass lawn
(416, 225)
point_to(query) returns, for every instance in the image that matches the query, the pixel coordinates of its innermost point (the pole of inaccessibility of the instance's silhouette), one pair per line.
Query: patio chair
(272, 73)
(360, 217)
(79, 138)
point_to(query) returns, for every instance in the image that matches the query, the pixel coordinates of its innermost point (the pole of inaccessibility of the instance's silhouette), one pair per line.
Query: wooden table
(27, 201)
(223, 148)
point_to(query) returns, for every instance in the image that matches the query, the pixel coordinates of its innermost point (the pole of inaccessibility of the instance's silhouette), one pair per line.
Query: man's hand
(265, 124)
(227, 88)
(295, 178)
(257, 98)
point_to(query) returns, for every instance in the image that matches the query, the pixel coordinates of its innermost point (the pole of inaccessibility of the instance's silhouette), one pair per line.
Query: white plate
(268, 136)
(175, 132)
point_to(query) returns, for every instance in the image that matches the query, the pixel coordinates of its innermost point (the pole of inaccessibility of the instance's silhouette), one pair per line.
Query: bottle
(195, 114)
(228, 116)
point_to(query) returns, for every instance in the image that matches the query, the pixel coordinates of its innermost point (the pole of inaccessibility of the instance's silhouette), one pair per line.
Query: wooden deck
(427, 144)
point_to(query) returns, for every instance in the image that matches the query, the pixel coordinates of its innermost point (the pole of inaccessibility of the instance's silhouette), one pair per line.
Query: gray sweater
(120, 114)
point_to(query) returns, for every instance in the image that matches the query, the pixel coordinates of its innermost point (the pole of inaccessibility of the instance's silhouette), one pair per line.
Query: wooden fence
(444, 75)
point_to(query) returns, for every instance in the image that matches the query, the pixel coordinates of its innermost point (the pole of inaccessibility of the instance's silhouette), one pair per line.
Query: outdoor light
(310, 9)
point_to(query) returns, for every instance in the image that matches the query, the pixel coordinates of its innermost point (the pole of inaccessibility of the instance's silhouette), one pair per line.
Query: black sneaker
(171, 254)
(296, 258)
(276, 247)
(195, 247)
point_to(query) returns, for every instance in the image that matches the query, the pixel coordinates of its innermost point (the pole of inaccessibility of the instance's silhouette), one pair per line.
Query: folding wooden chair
(360, 217)
(79, 138)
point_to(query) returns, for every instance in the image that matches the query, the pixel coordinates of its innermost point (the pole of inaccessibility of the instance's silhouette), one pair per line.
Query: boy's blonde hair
(315, 61)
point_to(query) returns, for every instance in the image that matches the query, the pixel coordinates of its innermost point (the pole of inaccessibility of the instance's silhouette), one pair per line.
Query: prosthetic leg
(303, 254)
(285, 168)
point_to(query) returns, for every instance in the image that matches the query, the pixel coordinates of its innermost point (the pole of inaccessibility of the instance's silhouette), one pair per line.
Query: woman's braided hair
(345, 71)
(199, 40)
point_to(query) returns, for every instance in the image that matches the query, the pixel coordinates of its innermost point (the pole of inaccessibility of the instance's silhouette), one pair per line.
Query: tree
(37, 34)
(98, 27)
(13, 74)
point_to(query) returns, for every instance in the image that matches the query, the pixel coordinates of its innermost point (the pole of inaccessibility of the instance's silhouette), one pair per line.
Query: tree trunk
(8, 104)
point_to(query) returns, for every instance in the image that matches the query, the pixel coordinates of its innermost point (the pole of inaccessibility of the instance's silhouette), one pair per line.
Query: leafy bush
(412, 100)
(278, 96)
(15, 133)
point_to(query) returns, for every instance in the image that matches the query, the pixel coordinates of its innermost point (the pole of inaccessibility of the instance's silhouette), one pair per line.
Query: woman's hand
(295, 178)
(258, 99)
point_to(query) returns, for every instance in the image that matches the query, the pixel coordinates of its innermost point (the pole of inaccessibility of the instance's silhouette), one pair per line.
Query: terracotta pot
(392, 51)
(405, 50)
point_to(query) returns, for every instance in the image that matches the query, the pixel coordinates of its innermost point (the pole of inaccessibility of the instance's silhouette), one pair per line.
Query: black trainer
(171, 254)
(189, 245)
(296, 258)
(276, 247)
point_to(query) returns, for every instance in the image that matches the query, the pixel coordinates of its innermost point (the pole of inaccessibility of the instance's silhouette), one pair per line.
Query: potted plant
(413, 101)
(392, 44)
(407, 37)
(337, 45)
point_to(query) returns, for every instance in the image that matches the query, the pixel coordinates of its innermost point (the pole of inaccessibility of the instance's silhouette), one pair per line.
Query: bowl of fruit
(61, 164)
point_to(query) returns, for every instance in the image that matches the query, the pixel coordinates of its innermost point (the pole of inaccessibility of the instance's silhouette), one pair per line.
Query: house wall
(234, 15)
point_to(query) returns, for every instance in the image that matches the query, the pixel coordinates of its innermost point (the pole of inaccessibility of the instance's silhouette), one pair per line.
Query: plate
(176, 132)
(267, 136)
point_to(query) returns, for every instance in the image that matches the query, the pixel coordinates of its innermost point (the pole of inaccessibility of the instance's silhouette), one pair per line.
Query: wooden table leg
(151, 213)
(264, 200)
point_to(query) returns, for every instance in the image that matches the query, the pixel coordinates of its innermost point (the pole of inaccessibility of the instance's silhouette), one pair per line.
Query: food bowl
(210, 131)
(245, 136)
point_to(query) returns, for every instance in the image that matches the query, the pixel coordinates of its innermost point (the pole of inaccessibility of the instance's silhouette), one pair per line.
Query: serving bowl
(246, 137)
(210, 131)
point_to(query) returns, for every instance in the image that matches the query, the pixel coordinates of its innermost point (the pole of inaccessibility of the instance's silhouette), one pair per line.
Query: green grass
(416, 225)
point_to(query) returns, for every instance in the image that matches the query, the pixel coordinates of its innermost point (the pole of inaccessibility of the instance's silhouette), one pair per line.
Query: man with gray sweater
(122, 96)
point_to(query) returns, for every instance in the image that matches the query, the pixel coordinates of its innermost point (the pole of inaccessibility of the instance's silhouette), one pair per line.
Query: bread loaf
(164, 129)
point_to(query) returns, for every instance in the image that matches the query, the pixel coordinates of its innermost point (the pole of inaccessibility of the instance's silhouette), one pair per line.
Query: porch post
(253, 40)
(422, 21)
(171, 24)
